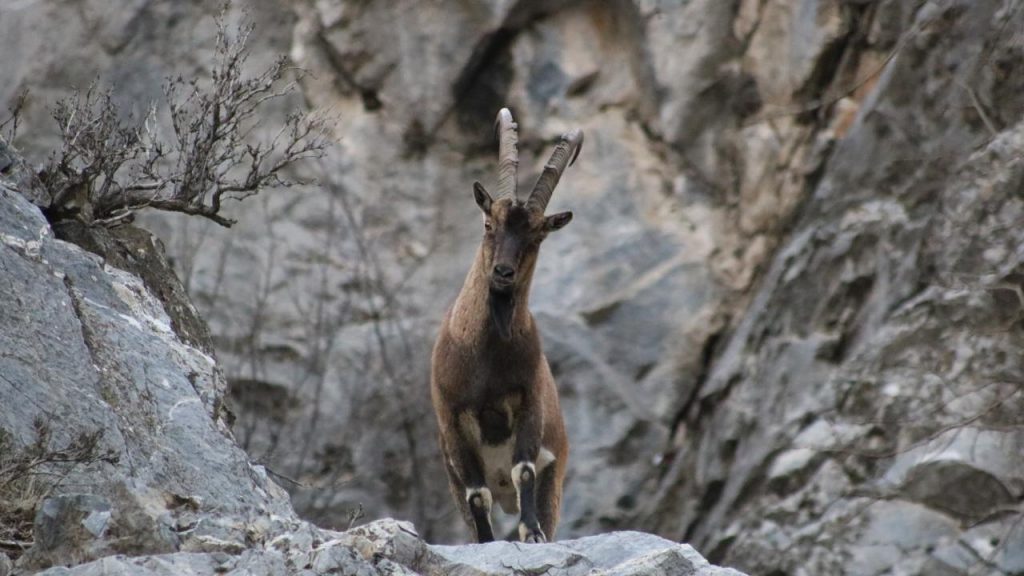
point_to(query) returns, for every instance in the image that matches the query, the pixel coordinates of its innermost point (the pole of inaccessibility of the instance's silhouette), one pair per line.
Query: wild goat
(501, 427)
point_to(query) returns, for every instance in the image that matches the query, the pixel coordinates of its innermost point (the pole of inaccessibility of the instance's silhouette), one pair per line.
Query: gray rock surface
(785, 321)
(627, 553)
(90, 350)
(393, 548)
(863, 417)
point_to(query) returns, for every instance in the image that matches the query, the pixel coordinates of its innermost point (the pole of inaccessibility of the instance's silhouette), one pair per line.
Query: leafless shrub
(108, 166)
(29, 474)
(9, 127)
(355, 515)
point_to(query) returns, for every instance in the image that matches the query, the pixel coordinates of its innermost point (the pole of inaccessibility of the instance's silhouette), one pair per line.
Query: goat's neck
(471, 316)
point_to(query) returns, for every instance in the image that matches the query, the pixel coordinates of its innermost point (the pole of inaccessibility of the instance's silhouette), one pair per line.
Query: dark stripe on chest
(495, 426)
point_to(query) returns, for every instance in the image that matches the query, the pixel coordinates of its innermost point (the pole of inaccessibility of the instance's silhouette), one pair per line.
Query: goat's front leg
(524, 472)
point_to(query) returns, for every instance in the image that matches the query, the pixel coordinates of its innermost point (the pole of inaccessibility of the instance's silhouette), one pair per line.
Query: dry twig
(109, 167)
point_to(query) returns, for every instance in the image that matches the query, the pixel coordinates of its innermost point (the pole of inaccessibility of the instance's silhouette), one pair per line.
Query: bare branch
(14, 110)
(109, 167)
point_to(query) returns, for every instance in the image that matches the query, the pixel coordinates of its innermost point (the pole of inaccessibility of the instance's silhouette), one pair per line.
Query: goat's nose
(504, 271)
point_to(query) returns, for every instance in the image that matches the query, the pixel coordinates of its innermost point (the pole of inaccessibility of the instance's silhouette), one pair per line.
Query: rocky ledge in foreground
(393, 548)
(116, 455)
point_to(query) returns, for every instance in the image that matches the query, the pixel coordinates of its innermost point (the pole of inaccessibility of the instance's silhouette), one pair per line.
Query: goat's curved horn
(565, 154)
(508, 154)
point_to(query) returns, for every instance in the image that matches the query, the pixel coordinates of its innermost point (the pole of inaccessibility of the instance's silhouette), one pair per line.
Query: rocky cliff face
(784, 321)
(123, 402)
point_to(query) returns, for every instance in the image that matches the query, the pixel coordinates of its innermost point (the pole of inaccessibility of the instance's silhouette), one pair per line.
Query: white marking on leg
(525, 534)
(485, 497)
(517, 472)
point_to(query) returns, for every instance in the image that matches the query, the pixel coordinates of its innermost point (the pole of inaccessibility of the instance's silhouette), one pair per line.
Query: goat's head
(514, 228)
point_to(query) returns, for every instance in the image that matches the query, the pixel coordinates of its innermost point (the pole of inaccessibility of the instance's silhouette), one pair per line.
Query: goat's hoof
(531, 535)
(536, 538)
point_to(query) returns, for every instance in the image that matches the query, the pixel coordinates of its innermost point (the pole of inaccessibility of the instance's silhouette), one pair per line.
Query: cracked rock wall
(784, 321)
(88, 349)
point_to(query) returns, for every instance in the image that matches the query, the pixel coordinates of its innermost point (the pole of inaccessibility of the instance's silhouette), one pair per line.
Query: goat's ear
(557, 221)
(483, 199)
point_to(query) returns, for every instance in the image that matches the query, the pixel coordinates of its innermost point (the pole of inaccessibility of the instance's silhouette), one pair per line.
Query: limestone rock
(391, 548)
(618, 554)
(92, 354)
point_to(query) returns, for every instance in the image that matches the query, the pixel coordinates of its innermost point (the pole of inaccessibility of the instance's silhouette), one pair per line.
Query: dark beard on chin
(502, 306)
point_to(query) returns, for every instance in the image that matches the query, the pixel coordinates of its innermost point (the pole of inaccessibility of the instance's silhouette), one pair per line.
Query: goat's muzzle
(503, 277)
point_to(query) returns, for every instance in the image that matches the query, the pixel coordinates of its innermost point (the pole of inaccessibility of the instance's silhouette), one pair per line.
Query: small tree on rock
(108, 167)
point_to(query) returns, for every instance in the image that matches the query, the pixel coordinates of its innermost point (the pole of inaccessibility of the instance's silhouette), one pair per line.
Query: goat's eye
(488, 226)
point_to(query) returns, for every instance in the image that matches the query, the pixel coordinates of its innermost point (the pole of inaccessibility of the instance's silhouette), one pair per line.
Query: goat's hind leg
(549, 500)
